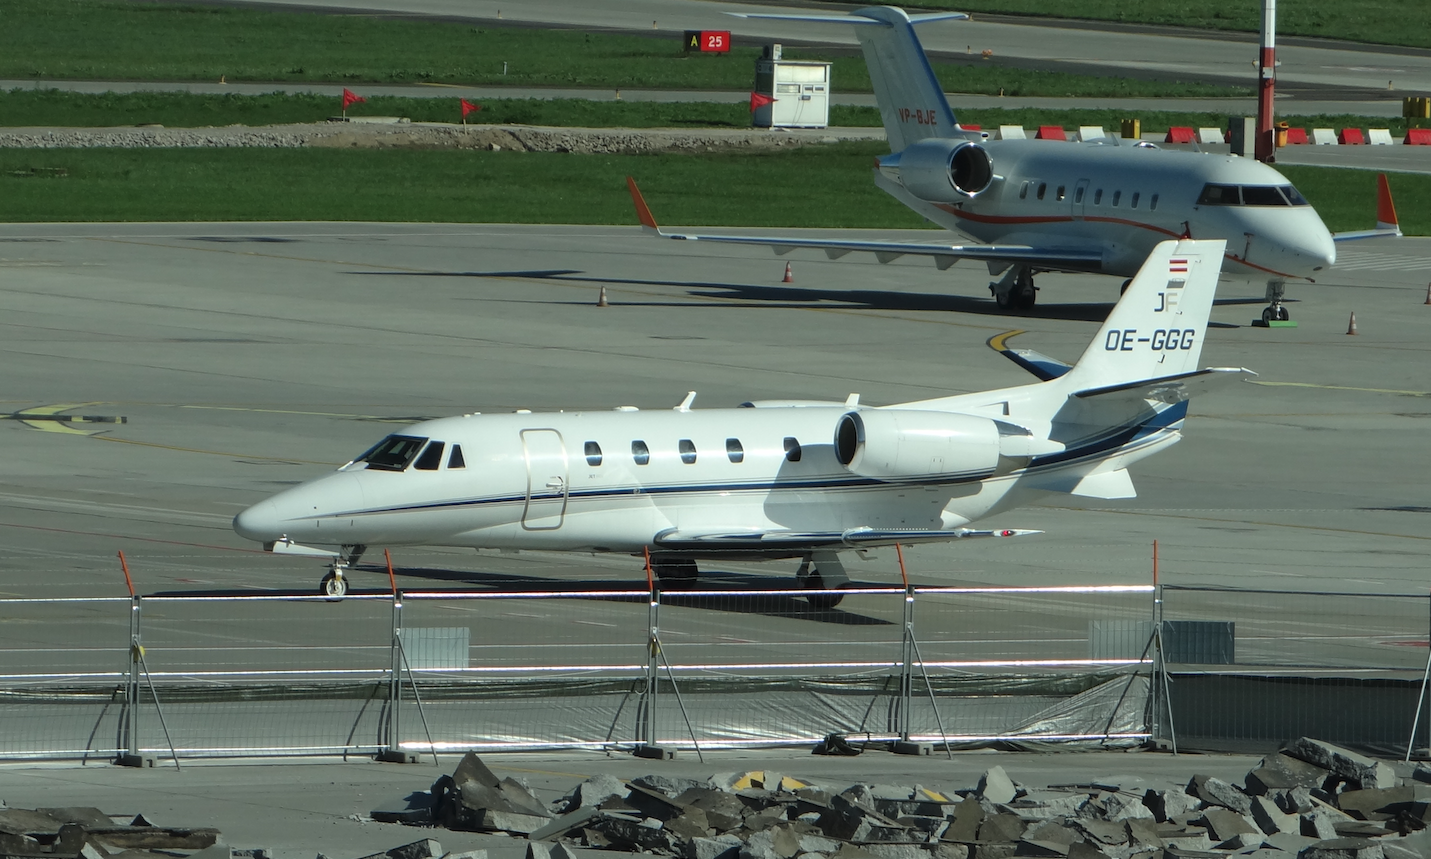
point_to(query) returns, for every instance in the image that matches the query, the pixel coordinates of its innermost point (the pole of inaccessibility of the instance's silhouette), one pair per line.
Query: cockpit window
(1251, 195)
(431, 457)
(456, 460)
(1220, 195)
(1261, 195)
(1293, 196)
(393, 453)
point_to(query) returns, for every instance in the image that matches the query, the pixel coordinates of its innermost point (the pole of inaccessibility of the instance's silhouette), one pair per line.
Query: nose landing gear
(1275, 313)
(334, 586)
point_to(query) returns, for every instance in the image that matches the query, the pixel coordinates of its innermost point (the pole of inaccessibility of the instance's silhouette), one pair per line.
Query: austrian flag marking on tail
(1177, 266)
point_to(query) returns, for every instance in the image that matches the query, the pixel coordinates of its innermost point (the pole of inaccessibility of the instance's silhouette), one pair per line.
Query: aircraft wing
(945, 255)
(852, 538)
(1387, 225)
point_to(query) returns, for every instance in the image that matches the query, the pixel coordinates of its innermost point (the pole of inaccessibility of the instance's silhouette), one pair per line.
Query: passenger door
(1080, 198)
(547, 475)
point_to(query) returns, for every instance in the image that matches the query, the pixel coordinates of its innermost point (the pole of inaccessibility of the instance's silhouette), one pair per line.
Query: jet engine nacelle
(900, 444)
(945, 171)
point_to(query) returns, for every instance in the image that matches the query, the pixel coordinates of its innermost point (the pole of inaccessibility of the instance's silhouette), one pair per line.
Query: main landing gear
(820, 571)
(1016, 290)
(335, 584)
(674, 571)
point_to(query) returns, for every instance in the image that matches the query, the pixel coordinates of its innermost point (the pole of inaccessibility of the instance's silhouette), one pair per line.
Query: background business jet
(1043, 205)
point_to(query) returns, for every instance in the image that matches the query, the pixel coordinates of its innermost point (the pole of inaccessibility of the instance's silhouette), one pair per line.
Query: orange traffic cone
(601, 299)
(1351, 326)
(789, 278)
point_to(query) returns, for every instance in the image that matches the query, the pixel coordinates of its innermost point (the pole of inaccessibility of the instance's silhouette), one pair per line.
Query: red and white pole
(1266, 145)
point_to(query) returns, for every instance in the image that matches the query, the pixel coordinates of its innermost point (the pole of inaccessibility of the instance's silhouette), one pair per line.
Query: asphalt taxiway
(246, 357)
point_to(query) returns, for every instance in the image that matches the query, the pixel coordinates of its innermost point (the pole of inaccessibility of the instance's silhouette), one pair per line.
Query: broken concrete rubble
(1290, 808)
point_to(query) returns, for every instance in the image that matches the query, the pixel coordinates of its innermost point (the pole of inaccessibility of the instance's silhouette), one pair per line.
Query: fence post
(906, 666)
(1421, 698)
(131, 756)
(392, 751)
(648, 747)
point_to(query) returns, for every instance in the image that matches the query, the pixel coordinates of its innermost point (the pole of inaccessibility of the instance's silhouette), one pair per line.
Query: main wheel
(333, 586)
(1004, 301)
(819, 602)
(1025, 297)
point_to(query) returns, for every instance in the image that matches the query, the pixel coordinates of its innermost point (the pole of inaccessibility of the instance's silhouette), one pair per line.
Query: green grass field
(1383, 22)
(107, 40)
(813, 187)
(184, 110)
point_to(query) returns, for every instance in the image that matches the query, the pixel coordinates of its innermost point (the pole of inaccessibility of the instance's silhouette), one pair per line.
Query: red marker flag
(351, 98)
(468, 107)
(758, 100)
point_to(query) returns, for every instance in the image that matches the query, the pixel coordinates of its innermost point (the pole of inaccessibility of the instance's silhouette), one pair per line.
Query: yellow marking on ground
(1342, 388)
(791, 784)
(61, 427)
(215, 452)
(747, 780)
(998, 341)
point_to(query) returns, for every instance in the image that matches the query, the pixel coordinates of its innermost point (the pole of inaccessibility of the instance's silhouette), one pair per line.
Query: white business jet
(1042, 205)
(799, 479)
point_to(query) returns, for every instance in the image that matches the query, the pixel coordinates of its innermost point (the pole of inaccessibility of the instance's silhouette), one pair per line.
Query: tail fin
(1157, 328)
(911, 102)
(1385, 208)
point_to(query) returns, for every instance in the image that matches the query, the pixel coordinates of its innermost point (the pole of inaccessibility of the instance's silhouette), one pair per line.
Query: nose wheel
(335, 585)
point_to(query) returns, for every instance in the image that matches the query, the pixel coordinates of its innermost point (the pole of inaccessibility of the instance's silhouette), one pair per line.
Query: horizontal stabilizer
(1040, 365)
(795, 540)
(1170, 389)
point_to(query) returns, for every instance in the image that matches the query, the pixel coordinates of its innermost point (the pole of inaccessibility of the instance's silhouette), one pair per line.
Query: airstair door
(547, 475)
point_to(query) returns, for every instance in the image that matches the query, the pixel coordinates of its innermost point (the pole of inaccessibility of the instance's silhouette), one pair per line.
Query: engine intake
(904, 444)
(946, 170)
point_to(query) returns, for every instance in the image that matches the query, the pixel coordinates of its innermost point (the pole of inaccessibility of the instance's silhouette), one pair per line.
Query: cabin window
(688, 451)
(1153, 203)
(1136, 195)
(1024, 191)
(640, 452)
(1042, 186)
(455, 460)
(734, 451)
(792, 449)
(1059, 196)
(593, 454)
(1098, 197)
(1117, 195)
(392, 453)
(431, 457)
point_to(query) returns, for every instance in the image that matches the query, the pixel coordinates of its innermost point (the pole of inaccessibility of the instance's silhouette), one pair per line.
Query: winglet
(648, 223)
(1385, 208)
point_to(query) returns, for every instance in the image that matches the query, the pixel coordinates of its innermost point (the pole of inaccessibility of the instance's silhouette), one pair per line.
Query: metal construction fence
(408, 673)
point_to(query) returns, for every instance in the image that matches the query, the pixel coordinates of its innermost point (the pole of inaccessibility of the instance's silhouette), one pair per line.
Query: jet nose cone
(259, 522)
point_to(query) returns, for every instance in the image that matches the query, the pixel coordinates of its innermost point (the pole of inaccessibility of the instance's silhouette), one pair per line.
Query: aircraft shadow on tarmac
(753, 295)
(478, 581)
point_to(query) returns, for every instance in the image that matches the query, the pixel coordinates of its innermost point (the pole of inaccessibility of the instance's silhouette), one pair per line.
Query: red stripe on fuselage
(1057, 219)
